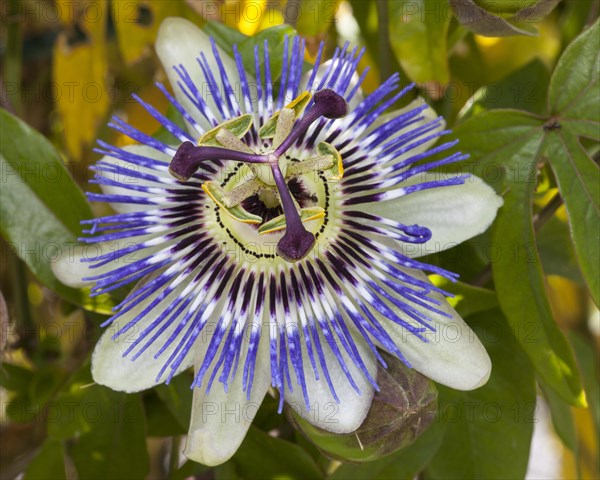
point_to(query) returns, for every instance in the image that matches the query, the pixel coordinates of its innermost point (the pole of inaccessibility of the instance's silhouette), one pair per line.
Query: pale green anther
(297, 105)
(230, 141)
(336, 171)
(285, 123)
(329, 160)
(321, 162)
(278, 223)
(238, 126)
(241, 192)
(238, 212)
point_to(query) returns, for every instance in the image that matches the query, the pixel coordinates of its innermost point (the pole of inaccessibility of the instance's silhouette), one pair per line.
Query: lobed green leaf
(489, 429)
(511, 142)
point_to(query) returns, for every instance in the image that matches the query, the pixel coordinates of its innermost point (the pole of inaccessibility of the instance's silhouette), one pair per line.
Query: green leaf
(106, 429)
(40, 205)
(574, 92)
(264, 456)
(225, 36)
(525, 88)
(15, 378)
(29, 402)
(562, 418)
(556, 250)
(402, 465)
(418, 33)
(314, 17)
(489, 429)
(510, 141)
(575, 16)
(578, 181)
(160, 421)
(48, 464)
(501, 18)
(588, 363)
(115, 447)
(227, 471)
(177, 397)
(188, 470)
(275, 37)
(37, 165)
(573, 100)
(467, 300)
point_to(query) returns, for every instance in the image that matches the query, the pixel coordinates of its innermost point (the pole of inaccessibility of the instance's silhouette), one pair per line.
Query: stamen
(297, 241)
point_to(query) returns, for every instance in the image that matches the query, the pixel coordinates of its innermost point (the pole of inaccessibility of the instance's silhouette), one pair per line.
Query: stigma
(270, 169)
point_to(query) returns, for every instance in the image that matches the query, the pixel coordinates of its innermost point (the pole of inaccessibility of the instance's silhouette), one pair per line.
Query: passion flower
(268, 246)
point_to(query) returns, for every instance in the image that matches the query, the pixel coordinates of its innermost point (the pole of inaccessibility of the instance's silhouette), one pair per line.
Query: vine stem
(385, 52)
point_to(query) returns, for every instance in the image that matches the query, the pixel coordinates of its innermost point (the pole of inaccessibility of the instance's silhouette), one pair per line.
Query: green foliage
(533, 135)
(573, 99)
(263, 456)
(511, 141)
(40, 205)
(556, 250)
(403, 465)
(516, 143)
(48, 463)
(562, 419)
(468, 300)
(418, 35)
(224, 36)
(489, 429)
(109, 428)
(501, 18)
(517, 90)
(576, 176)
(115, 447)
(275, 38)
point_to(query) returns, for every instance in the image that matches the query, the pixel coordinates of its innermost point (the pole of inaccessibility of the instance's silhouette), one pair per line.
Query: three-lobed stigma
(270, 169)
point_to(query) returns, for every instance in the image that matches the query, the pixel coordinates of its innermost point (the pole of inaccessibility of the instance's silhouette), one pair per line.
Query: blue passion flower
(275, 244)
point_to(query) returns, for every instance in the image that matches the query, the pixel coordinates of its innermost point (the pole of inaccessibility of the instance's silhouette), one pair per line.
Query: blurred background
(68, 66)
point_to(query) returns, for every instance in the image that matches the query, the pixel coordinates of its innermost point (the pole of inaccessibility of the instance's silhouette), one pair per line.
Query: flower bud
(502, 7)
(402, 410)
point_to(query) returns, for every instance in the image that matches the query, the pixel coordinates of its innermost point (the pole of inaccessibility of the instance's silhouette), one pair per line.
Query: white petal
(453, 214)
(453, 355)
(325, 412)
(110, 368)
(330, 83)
(142, 150)
(221, 420)
(180, 42)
